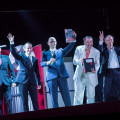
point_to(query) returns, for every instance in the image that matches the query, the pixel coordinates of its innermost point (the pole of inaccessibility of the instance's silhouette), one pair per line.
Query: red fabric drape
(41, 93)
(4, 52)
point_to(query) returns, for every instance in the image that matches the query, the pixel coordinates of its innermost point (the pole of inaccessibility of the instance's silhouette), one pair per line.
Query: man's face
(52, 43)
(88, 43)
(109, 41)
(28, 49)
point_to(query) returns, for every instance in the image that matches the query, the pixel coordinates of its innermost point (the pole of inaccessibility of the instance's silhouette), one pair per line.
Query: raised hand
(10, 37)
(74, 34)
(101, 37)
(71, 39)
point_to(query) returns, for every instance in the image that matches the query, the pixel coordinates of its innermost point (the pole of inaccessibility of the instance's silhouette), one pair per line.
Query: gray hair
(107, 36)
(84, 39)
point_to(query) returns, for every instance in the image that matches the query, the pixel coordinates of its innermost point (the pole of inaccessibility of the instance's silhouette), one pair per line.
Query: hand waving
(10, 37)
(101, 37)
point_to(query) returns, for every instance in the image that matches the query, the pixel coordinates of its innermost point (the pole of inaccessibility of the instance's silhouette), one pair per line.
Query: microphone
(54, 56)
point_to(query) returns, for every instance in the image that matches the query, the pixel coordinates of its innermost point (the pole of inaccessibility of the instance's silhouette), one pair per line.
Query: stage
(106, 110)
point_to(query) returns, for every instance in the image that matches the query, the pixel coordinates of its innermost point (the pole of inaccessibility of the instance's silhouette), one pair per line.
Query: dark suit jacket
(105, 56)
(58, 67)
(25, 73)
(4, 71)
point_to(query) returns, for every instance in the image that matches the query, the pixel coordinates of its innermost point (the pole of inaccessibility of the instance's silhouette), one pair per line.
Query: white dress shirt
(52, 51)
(113, 59)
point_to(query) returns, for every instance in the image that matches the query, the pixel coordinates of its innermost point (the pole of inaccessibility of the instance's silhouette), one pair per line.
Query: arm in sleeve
(100, 47)
(12, 72)
(67, 49)
(37, 73)
(76, 59)
(14, 53)
(44, 61)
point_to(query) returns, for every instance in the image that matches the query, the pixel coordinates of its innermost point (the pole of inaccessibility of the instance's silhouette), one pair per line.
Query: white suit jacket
(81, 54)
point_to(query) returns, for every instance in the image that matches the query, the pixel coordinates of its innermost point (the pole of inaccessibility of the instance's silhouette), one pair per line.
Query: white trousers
(79, 86)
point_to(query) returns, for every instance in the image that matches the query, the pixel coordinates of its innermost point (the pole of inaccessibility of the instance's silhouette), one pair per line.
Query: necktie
(52, 52)
(30, 62)
(87, 55)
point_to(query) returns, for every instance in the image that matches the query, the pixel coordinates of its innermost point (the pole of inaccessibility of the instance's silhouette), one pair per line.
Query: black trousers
(99, 89)
(112, 78)
(6, 91)
(32, 89)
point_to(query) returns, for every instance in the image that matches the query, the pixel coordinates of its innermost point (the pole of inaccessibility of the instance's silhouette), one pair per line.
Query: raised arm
(67, 49)
(101, 40)
(12, 49)
(71, 44)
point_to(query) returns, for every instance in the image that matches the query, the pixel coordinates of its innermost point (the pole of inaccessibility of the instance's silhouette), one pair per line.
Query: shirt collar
(111, 49)
(53, 49)
(28, 55)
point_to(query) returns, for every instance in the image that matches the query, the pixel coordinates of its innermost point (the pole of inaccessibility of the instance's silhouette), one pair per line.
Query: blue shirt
(113, 59)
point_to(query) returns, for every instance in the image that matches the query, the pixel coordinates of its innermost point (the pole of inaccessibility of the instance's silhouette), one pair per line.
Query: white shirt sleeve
(100, 42)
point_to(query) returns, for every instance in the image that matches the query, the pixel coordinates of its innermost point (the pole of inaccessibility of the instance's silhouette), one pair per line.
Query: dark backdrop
(37, 25)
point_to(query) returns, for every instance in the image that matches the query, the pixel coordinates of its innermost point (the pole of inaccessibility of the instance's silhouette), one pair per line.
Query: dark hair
(84, 39)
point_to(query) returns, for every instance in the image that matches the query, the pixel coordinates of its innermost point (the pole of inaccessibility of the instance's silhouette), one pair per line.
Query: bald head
(52, 43)
(28, 48)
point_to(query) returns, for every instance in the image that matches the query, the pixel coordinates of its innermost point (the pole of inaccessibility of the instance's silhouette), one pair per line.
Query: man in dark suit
(56, 72)
(110, 64)
(26, 75)
(6, 81)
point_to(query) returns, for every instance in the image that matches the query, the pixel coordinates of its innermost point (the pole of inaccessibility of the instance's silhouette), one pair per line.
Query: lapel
(33, 61)
(26, 60)
(84, 53)
(106, 54)
(116, 50)
(91, 53)
(49, 53)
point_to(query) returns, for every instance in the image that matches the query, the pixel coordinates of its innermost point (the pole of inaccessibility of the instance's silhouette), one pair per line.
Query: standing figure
(26, 75)
(110, 65)
(56, 72)
(6, 82)
(85, 80)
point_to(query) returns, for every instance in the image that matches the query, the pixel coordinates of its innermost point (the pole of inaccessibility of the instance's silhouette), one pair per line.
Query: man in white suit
(82, 79)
